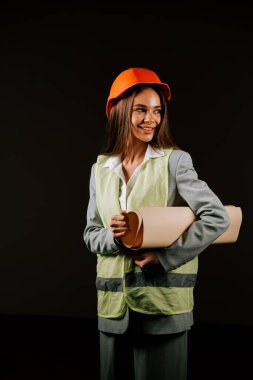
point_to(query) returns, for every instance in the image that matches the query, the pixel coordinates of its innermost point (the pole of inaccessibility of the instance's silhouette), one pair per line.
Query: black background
(57, 63)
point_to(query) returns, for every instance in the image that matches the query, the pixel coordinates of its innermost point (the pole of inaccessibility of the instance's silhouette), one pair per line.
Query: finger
(119, 217)
(119, 230)
(139, 263)
(142, 263)
(118, 224)
(118, 234)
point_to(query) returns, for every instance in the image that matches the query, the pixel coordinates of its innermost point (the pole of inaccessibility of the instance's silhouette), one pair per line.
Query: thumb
(142, 262)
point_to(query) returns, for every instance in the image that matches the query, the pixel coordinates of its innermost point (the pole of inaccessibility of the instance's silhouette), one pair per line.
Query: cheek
(134, 120)
(158, 119)
(134, 124)
(133, 128)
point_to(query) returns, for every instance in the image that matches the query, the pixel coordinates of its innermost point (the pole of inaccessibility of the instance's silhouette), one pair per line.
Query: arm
(212, 218)
(98, 238)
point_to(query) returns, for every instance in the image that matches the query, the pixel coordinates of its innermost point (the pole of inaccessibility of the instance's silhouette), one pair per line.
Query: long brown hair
(118, 129)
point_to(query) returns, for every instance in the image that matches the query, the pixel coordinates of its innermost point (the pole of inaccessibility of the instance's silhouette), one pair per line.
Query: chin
(146, 138)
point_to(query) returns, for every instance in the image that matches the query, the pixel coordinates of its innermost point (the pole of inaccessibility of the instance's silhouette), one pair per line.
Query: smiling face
(146, 115)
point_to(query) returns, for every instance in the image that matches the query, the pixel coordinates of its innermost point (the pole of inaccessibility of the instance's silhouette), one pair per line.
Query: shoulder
(180, 156)
(180, 161)
(101, 159)
(92, 172)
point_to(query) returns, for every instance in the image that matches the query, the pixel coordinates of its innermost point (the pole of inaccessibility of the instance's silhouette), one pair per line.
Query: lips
(145, 128)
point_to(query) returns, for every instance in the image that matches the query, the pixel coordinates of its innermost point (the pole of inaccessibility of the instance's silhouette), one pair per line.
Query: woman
(145, 298)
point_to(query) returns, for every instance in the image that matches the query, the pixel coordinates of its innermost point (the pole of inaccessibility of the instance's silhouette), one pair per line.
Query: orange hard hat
(129, 78)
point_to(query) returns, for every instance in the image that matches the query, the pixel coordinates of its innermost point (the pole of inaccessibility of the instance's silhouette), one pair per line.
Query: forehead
(147, 96)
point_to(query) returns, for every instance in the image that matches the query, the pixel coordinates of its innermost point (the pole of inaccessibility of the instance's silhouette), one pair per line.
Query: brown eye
(139, 110)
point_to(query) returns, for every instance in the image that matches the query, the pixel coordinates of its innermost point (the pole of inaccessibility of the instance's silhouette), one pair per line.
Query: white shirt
(115, 164)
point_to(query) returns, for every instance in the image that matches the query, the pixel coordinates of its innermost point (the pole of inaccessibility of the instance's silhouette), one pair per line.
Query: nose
(149, 119)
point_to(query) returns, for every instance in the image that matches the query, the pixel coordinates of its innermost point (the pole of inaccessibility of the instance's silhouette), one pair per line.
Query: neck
(137, 152)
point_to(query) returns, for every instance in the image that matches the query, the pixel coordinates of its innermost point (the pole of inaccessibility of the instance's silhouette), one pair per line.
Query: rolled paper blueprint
(159, 227)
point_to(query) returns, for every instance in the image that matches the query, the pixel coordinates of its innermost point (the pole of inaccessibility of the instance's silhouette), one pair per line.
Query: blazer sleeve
(98, 238)
(211, 216)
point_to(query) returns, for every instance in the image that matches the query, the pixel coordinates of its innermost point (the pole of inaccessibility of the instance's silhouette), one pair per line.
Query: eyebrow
(143, 105)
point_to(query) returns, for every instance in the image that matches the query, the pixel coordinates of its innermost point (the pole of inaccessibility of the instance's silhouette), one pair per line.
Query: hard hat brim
(165, 87)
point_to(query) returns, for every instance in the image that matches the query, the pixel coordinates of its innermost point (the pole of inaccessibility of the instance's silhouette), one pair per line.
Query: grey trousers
(134, 356)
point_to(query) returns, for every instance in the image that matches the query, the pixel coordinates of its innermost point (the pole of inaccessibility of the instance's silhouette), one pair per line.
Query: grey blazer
(185, 188)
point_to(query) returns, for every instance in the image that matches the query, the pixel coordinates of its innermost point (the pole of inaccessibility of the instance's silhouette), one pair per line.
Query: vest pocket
(153, 300)
(110, 304)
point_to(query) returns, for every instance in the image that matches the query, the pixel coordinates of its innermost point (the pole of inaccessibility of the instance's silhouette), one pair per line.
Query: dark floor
(67, 348)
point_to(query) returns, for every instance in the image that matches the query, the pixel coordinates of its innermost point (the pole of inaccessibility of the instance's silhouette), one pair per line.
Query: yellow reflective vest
(119, 281)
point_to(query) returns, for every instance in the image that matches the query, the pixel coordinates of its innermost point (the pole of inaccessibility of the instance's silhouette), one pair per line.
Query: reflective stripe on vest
(119, 282)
